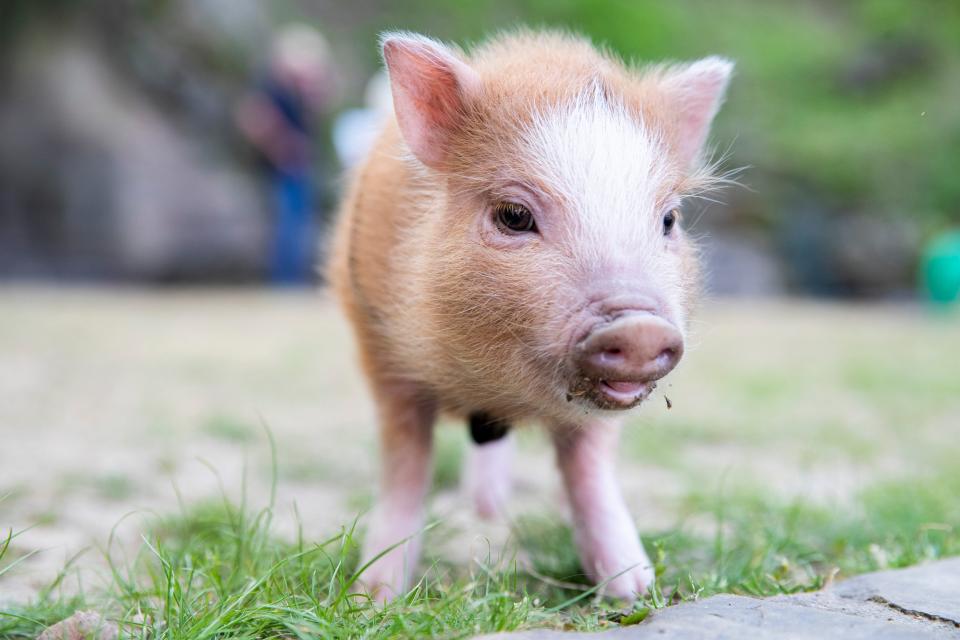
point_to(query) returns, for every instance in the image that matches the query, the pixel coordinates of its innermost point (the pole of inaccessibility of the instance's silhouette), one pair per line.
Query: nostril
(667, 357)
(609, 357)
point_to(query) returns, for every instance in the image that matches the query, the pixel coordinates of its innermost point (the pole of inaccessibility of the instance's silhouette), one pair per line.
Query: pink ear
(696, 91)
(431, 89)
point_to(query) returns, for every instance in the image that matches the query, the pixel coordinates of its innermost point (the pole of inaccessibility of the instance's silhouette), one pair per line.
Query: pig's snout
(620, 360)
(638, 347)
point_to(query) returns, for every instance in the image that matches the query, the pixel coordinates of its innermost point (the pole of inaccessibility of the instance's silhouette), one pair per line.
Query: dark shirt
(290, 105)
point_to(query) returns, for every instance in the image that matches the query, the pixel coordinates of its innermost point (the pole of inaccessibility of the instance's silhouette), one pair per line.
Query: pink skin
(610, 549)
(406, 421)
(487, 478)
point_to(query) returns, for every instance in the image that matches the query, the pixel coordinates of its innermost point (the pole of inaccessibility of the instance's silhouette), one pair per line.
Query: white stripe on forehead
(603, 162)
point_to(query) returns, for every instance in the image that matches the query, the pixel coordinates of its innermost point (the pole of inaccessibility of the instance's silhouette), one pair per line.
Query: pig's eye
(515, 218)
(669, 222)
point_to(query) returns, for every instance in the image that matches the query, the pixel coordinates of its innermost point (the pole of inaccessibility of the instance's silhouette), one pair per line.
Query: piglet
(512, 250)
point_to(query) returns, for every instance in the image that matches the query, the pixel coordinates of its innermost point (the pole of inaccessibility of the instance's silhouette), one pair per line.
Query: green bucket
(940, 269)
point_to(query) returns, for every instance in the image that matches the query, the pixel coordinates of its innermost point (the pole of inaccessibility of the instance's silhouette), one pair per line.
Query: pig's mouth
(615, 395)
(616, 363)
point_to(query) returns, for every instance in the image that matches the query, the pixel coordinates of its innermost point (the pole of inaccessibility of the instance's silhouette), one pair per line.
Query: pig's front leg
(610, 549)
(406, 437)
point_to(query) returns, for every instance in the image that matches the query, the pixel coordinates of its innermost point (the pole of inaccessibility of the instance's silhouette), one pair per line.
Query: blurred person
(277, 119)
(355, 130)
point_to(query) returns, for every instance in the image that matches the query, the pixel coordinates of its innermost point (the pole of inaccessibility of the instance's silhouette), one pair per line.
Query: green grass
(758, 464)
(229, 429)
(216, 570)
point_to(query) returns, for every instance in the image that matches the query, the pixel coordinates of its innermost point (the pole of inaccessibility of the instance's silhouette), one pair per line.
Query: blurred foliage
(850, 103)
(853, 100)
(840, 110)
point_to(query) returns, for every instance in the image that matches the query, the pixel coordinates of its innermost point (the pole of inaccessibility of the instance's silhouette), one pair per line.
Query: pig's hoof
(624, 580)
(379, 588)
(631, 584)
(385, 579)
(378, 592)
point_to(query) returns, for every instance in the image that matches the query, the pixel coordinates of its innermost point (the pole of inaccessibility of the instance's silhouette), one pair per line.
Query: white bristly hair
(610, 170)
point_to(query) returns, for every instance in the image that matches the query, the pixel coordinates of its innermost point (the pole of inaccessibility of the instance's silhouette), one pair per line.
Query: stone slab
(931, 590)
(920, 602)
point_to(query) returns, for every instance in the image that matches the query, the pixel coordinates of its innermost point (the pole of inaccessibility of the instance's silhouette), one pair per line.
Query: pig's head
(554, 273)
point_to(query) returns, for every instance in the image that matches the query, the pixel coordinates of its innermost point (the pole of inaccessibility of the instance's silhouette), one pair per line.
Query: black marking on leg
(485, 428)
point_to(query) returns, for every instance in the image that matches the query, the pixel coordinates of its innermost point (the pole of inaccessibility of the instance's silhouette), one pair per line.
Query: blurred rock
(83, 625)
(741, 263)
(100, 182)
(874, 254)
(847, 253)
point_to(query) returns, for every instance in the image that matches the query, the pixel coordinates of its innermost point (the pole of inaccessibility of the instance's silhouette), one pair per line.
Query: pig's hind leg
(406, 439)
(610, 549)
(487, 478)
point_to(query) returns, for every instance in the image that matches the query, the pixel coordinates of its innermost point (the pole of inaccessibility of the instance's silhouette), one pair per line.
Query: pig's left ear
(695, 92)
(432, 89)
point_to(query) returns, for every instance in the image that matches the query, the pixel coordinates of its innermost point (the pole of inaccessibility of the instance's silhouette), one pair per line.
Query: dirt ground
(116, 405)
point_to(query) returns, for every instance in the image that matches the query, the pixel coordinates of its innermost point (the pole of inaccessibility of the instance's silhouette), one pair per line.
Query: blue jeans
(292, 257)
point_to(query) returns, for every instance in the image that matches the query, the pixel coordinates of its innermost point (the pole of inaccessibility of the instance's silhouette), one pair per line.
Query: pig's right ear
(431, 89)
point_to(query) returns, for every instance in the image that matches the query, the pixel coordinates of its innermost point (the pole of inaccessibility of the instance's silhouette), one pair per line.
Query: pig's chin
(611, 395)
